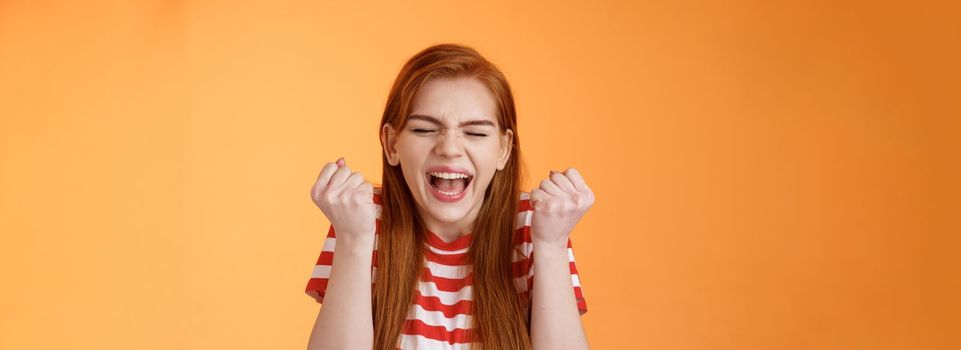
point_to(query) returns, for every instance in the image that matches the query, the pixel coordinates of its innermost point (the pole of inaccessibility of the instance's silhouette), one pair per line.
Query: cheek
(484, 155)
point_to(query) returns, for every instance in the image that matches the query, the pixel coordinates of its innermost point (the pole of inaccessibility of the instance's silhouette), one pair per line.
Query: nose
(449, 145)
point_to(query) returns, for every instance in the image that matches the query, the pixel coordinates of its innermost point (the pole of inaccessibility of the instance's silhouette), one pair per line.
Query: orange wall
(769, 175)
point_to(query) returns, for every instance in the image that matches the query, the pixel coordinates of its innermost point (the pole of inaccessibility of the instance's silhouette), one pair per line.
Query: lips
(448, 184)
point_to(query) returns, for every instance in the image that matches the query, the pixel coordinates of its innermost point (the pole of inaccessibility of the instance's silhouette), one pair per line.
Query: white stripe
(329, 244)
(523, 219)
(575, 281)
(437, 318)
(320, 271)
(447, 252)
(447, 271)
(521, 284)
(433, 285)
(447, 298)
(522, 251)
(408, 341)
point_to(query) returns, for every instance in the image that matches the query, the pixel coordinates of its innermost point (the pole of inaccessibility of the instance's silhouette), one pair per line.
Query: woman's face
(449, 151)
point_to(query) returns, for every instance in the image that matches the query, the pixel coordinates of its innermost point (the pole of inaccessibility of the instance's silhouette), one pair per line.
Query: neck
(450, 231)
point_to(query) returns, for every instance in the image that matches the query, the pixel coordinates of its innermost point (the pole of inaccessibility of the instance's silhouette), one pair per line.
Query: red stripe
(457, 244)
(447, 284)
(462, 307)
(524, 295)
(325, 258)
(522, 235)
(524, 205)
(520, 268)
(581, 302)
(447, 259)
(318, 286)
(418, 327)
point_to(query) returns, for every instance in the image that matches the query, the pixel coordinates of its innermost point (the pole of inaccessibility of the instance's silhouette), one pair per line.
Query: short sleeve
(317, 284)
(575, 278)
(320, 276)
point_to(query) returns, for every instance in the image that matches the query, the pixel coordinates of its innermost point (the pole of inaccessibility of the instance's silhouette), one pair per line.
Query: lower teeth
(448, 193)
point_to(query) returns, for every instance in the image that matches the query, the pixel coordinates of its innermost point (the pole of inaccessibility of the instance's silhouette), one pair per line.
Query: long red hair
(499, 322)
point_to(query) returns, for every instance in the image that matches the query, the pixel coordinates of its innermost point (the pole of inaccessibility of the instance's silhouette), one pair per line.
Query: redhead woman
(441, 256)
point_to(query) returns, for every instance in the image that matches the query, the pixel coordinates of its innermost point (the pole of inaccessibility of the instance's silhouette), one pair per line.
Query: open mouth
(449, 184)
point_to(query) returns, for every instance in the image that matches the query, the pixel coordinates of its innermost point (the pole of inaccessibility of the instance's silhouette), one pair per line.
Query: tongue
(450, 185)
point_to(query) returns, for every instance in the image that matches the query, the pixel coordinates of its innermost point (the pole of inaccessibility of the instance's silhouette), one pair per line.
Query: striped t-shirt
(441, 310)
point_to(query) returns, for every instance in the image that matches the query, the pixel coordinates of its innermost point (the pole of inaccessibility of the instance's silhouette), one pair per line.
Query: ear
(388, 137)
(507, 144)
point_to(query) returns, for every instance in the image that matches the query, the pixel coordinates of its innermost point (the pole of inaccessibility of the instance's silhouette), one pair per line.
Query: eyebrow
(430, 119)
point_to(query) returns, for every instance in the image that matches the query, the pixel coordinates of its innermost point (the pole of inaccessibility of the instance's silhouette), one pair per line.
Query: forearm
(345, 320)
(555, 320)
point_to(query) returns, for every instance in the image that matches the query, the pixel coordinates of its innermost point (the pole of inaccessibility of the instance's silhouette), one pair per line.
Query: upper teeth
(450, 175)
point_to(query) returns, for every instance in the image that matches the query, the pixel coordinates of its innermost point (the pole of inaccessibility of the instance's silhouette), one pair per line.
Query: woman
(444, 247)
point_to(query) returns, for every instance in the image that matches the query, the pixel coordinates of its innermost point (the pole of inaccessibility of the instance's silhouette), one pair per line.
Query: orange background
(769, 175)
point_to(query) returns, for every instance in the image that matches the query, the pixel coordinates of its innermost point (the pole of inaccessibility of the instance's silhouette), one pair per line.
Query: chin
(449, 212)
(448, 215)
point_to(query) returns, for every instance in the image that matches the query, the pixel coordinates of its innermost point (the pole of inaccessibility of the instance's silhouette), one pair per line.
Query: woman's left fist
(559, 203)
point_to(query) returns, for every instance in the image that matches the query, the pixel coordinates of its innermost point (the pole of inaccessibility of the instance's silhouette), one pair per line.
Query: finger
(324, 178)
(538, 195)
(561, 181)
(367, 187)
(341, 162)
(551, 188)
(337, 180)
(575, 177)
(353, 180)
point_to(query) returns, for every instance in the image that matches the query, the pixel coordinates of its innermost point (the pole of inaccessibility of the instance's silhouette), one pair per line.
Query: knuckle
(329, 198)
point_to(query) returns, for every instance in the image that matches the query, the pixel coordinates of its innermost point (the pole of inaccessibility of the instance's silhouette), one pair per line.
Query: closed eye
(427, 131)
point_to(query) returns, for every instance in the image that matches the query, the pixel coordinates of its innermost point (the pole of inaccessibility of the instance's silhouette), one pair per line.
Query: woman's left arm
(555, 320)
(559, 203)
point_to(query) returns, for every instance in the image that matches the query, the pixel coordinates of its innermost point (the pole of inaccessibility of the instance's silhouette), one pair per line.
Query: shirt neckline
(460, 243)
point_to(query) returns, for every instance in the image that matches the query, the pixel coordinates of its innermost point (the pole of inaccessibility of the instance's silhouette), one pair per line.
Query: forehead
(454, 100)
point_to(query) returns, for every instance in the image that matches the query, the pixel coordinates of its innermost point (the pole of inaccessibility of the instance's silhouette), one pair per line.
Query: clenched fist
(559, 203)
(347, 201)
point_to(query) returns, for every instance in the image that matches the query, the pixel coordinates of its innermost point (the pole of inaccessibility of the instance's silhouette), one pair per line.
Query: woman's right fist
(346, 199)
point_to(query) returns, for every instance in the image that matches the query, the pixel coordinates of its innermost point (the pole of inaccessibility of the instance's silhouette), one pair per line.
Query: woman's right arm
(345, 320)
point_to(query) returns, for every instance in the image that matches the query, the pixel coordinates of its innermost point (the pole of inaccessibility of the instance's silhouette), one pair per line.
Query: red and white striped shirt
(441, 312)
